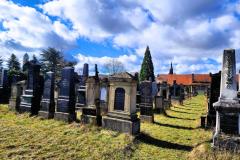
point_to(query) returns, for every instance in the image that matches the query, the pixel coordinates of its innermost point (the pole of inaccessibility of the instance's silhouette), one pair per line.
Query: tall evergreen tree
(147, 70)
(13, 63)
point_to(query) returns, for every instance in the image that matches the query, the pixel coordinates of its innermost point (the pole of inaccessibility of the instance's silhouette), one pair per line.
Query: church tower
(171, 69)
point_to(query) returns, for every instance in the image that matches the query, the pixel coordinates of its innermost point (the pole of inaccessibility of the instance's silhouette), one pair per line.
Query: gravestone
(66, 100)
(214, 93)
(47, 104)
(5, 90)
(15, 98)
(30, 101)
(146, 105)
(81, 91)
(159, 104)
(104, 95)
(227, 107)
(91, 112)
(121, 114)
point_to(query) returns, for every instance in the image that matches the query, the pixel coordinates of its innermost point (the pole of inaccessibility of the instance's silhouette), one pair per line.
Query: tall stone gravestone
(91, 112)
(214, 93)
(81, 91)
(4, 87)
(146, 105)
(227, 107)
(30, 101)
(15, 99)
(66, 99)
(47, 104)
(121, 114)
(104, 90)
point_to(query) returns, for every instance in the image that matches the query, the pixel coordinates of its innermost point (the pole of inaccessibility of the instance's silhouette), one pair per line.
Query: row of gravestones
(121, 113)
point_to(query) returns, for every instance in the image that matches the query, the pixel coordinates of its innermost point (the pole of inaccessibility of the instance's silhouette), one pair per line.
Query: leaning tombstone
(66, 100)
(30, 101)
(146, 105)
(47, 104)
(227, 129)
(121, 114)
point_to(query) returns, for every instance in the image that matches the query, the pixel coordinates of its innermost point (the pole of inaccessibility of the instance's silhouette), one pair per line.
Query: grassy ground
(172, 136)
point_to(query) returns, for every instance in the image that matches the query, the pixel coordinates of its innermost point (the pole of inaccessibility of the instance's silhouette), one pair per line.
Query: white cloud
(189, 33)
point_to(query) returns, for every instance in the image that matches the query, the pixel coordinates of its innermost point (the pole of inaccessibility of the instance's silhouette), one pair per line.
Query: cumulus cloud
(191, 34)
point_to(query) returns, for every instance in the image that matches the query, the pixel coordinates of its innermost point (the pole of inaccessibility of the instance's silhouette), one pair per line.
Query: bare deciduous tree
(114, 66)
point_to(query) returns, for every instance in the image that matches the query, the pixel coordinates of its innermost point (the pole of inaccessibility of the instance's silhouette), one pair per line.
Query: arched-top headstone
(119, 99)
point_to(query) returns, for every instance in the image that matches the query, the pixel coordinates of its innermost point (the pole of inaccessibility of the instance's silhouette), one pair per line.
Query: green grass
(172, 136)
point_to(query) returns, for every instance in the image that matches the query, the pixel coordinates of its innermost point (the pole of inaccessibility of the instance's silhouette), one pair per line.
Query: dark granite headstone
(146, 105)
(119, 99)
(30, 101)
(85, 70)
(214, 93)
(66, 100)
(5, 90)
(47, 104)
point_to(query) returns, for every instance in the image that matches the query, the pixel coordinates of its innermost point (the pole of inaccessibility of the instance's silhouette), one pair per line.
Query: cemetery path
(172, 136)
(175, 134)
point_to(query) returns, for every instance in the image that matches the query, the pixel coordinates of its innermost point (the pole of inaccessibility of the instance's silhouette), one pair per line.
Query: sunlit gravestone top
(228, 89)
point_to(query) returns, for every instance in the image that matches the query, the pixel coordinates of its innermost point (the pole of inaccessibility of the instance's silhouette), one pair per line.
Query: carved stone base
(89, 119)
(145, 118)
(14, 104)
(66, 117)
(227, 142)
(46, 115)
(120, 125)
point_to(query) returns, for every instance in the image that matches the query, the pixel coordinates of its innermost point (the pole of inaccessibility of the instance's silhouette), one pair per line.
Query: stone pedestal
(90, 115)
(122, 125)
(66, 117)
(146, 113)
(121, 114)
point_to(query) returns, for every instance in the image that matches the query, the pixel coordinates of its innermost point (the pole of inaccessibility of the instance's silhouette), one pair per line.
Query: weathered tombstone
(104, 95)
(159, 104)
(91, 112)
(214, 93)
(15, 98)
(154, 89)
(66, 99)
(30, 101)
(47, 104)
(227, 107)
(146, 105)
(121, 114)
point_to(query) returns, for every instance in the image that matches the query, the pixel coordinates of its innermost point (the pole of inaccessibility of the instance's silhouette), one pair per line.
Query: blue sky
(191, 34)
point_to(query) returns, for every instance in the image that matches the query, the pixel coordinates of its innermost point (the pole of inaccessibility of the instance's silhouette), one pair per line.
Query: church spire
(171, 69)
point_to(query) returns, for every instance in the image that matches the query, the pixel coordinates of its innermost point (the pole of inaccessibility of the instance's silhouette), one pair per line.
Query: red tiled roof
(185, 79)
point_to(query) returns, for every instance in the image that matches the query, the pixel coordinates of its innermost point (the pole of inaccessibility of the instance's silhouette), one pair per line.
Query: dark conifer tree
(147, 70)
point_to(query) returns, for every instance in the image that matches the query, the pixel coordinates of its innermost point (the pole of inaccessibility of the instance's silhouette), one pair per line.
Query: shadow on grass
(174, 126)
(144, 138)
(189, 109)
(169, 116)
(185, 112)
